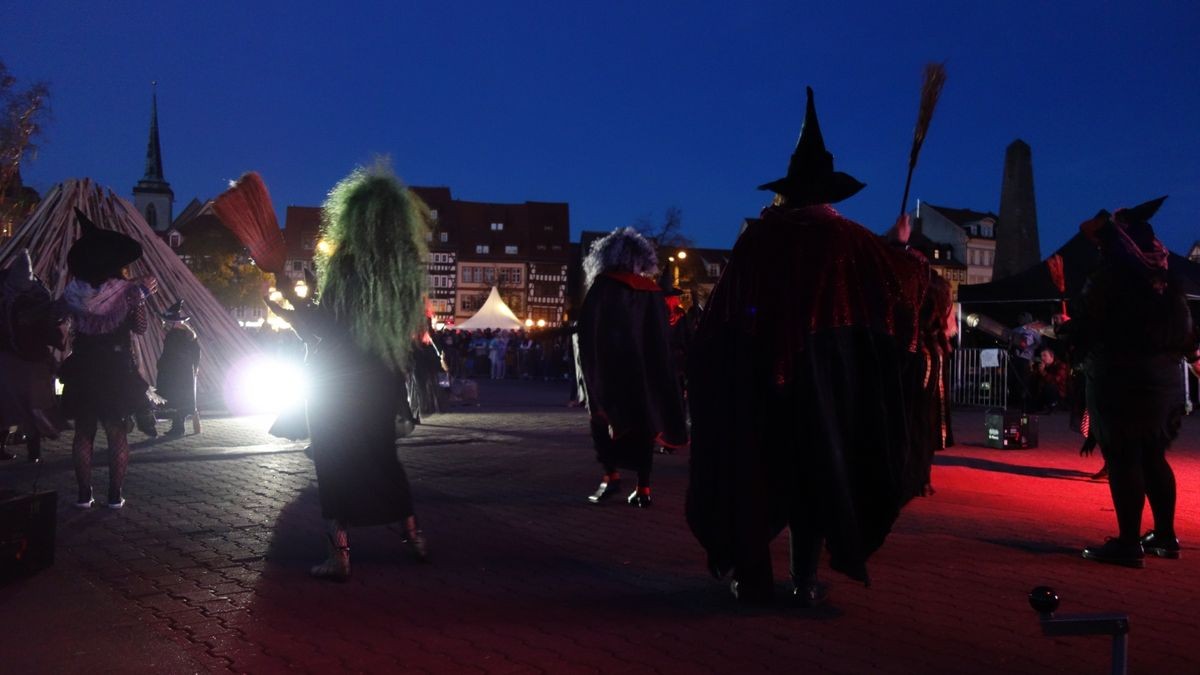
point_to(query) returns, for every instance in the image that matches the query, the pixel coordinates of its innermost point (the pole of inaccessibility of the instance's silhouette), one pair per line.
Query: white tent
(494, 314)
(52, 228)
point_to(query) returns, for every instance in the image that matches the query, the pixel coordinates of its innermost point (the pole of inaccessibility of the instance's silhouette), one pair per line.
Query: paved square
(205, 570)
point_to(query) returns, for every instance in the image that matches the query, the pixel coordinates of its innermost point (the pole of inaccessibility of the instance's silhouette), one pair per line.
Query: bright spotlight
(529, 323)
(266, 386)
(682, 255)
(324, 247)
(301, 289)
(541, 323)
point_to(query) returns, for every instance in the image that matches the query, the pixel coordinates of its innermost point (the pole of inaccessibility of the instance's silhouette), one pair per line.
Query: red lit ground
(205, 570)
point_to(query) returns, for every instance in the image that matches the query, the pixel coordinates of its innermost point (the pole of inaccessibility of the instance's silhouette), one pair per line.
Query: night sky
(623, 110)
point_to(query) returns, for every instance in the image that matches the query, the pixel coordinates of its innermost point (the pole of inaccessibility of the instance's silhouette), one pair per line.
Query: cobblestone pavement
(205, 570)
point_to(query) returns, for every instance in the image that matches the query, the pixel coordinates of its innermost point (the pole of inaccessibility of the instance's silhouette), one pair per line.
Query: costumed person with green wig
(102, 385)
(360, 338)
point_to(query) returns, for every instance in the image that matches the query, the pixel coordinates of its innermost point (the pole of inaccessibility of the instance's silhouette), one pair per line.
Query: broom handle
(907, 185)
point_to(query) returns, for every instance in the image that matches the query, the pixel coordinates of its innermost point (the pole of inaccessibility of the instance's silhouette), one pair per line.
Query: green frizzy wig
(370, 267)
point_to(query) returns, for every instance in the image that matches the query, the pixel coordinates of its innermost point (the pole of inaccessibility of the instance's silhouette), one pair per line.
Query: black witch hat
(810, 177)
(175, 314)
(99, 254)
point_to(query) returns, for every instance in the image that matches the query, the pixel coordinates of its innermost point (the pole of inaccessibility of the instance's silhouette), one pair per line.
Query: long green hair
(370, 266)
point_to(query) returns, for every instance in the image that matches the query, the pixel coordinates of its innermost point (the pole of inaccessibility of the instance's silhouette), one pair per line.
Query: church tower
(152, 196)
(1017, 243)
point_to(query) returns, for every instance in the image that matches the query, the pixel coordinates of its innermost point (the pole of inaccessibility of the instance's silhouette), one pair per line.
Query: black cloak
(352, 422)
(177, 369)
(797, 388)
(625, 360)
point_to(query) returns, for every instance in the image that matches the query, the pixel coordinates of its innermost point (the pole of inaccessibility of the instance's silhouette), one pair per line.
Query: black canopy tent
(1034, 291)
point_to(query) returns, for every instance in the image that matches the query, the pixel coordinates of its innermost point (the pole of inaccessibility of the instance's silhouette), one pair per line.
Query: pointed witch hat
(99, 254)
(810, 177)
(175, 314)
(1128, 235)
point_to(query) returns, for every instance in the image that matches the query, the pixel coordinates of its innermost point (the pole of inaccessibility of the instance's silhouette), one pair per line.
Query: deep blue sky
(622, 109)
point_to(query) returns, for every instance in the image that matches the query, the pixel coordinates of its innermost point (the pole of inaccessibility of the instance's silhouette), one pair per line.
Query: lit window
(482, 248)
(433, 215)
(936, 254)
(714, 269)
(497, 227)
(511, 250)
(444, 236)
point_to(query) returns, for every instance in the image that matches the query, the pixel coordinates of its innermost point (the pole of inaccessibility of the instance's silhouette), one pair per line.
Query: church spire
(152, 195)
(154, 170)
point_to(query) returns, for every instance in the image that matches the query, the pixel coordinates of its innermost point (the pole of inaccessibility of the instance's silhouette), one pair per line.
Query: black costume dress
(797, 390)
(1135, 340)
(352, 422)
(101, 378)
(177, 370)
(629, 380)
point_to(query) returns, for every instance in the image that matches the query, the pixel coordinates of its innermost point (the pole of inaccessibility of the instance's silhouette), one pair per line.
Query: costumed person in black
(101, 383)
(178, 367)
(930, 372)
(624, 355)
(29, 328)
(797, 386)
(1134, 327)
(361, 336)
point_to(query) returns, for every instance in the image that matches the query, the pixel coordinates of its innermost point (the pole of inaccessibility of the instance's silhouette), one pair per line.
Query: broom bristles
(931, 90)
(246, 210)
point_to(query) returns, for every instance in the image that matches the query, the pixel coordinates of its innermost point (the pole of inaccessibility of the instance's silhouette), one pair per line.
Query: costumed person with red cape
(360, 336)
(797, 386)
(929, 398)
(102, 385)
(29, 328)
(629, 379)
(1134, 329)
(178, 367)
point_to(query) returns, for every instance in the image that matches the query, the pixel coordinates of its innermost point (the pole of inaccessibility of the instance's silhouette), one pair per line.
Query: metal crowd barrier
(979, 378)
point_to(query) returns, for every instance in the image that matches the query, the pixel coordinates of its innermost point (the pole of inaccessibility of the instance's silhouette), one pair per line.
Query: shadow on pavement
(1005, 467)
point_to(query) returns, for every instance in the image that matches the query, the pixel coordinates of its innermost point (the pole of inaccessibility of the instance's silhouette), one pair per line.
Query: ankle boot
(337, 566)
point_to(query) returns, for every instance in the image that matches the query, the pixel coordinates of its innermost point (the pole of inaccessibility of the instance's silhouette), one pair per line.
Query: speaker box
(1009, 430)
(27, 525)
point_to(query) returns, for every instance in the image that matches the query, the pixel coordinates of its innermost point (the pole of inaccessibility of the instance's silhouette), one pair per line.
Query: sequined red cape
(797, 388)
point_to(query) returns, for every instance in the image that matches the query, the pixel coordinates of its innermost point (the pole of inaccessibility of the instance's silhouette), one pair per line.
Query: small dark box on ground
(27, 524)
(1010, 429)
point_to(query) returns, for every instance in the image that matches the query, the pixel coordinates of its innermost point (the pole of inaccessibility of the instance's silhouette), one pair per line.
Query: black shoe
(606, 490)
(1102, 474)
(1116, 552)
(145, 423)
(750, 594)
(811, 594)
(640, 499)
(175, 431)
(1160, 547)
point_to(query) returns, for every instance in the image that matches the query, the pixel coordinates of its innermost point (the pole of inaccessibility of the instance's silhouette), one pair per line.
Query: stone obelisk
(1017, 245)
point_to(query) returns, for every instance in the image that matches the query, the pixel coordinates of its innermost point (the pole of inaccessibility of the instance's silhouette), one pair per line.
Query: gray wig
(622, 250)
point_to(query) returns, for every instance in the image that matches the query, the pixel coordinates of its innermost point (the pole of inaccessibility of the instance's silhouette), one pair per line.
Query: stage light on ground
(541, 323)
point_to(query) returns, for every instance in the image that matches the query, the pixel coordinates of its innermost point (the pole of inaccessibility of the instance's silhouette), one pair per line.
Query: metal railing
(979, 378)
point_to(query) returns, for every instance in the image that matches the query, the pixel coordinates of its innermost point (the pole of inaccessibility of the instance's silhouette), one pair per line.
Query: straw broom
(246, 210)
(931, 90)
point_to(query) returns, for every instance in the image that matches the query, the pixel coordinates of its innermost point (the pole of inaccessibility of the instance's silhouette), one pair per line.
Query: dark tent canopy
(1035, 287)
